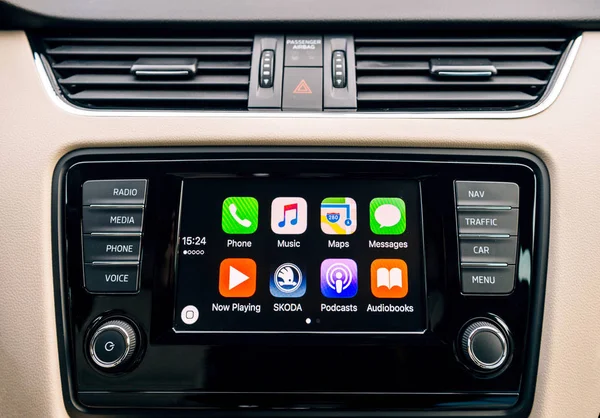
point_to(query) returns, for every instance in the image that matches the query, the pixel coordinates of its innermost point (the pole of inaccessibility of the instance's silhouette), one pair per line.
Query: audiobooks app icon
(389, 278)
(237, 278)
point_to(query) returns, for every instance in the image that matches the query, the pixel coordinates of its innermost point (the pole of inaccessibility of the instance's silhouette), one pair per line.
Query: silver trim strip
(473, 264)
(301, 332)
(470, 207)
(557, 82)
(475, 359)
(485, 236)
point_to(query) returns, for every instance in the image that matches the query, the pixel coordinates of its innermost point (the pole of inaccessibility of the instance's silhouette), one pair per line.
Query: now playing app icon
(288, 281)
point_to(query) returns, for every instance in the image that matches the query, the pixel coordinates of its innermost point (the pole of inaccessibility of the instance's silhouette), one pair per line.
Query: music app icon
(288, 215)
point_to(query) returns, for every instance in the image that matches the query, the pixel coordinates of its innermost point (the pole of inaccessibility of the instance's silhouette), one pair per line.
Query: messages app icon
(387, 216)
(240, 215)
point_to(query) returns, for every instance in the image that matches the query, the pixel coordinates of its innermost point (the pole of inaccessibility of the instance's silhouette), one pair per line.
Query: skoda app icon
(288, 281)
(339, 278)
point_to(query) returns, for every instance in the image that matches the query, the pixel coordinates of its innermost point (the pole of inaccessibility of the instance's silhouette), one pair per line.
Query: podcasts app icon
(339, 278)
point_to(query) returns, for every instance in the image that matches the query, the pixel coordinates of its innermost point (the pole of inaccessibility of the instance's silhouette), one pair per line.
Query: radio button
(111, 248)
(112, 219)
(480, 193)
(114, 192)
(472, 221)
(488, 280)
(501, 250)
(111, 278)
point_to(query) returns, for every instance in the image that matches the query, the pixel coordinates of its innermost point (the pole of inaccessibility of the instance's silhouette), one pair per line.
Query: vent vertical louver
(398, 74)
(97, 72)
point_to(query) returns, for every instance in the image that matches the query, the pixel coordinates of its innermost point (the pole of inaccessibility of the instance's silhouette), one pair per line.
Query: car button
(501, 250)
(114, 192)
(471, 221)
(303, 89)
(488, 280)
(111, 248)
(123, 219)
(304, 51)
(480, 193)
(111, 278)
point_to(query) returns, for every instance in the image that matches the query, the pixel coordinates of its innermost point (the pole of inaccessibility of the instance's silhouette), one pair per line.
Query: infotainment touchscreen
(258, 254)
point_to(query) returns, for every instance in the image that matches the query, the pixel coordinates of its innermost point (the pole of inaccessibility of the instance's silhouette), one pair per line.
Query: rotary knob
(484, 346)
(113, 345)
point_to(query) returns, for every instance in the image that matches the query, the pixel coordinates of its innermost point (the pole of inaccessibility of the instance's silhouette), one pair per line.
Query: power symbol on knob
(113, 344)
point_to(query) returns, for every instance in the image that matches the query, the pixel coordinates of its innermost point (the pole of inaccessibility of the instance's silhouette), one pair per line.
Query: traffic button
(303, 89)
(483, 222)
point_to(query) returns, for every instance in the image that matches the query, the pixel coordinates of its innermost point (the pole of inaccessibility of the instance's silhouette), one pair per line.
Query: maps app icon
(338, 216)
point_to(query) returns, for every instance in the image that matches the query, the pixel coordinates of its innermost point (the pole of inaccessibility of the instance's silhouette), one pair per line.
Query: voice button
(111, 278)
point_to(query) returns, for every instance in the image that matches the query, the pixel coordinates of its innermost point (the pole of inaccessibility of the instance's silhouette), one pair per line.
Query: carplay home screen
(300, 255)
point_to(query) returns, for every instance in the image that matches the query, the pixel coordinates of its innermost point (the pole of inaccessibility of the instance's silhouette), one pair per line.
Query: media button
(472, 221)
(100, 219)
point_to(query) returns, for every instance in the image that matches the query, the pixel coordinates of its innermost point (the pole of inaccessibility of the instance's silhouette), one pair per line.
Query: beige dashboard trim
(35, 134)
(554, 88)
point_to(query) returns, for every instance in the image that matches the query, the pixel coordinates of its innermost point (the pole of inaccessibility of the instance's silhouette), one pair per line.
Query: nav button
(303, 89)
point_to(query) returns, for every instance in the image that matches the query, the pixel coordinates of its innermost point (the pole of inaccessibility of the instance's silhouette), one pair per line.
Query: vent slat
(93, 65)
(175, 95)
(446, 96)
(373, 65)
(82, 40)
(96, 72)
(393, 74)
(149, 51)
(430, 81)
(454, 41)
(130, 80)
(457, 51)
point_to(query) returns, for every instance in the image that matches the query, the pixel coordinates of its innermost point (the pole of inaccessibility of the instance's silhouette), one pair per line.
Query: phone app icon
(240, 215)
(338, 216)
(389, 278)
(387, 216)
(237, 278)
(339, 278)
(288, 215)
(288, 281)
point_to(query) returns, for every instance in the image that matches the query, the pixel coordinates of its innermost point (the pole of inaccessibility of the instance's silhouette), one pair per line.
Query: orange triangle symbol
(302, 88)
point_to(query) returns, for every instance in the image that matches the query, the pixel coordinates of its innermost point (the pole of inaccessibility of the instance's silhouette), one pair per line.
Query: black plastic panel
(395, 375)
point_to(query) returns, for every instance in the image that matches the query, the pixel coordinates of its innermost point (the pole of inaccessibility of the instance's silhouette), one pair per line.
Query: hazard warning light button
(303, 89)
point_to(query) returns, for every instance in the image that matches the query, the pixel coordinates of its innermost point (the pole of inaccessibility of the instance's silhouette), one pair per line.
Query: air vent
(426, 74)
(152, 73)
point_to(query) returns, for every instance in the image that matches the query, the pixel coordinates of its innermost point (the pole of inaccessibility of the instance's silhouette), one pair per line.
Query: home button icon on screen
(189, 315)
